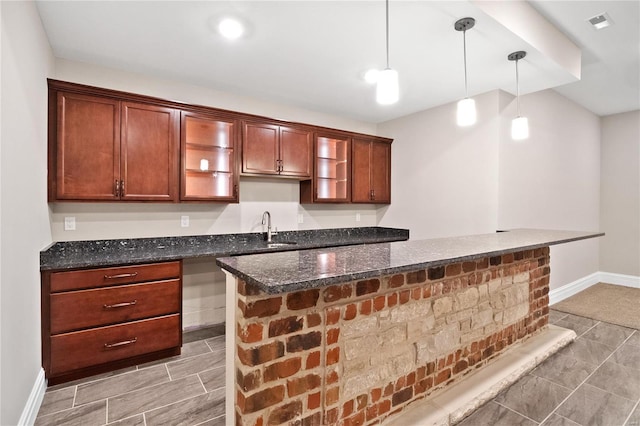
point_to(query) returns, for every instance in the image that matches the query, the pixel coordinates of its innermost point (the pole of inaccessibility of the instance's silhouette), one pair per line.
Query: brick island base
(359, 352)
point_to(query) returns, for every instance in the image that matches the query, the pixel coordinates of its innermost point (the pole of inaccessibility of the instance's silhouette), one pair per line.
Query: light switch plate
(184, 221)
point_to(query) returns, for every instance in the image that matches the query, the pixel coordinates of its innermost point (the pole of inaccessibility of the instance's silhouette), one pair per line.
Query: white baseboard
(620, 279)
(559, 294)
(31, 408)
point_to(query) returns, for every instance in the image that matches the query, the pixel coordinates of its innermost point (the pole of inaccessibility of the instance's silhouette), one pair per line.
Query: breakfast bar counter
(353, 335)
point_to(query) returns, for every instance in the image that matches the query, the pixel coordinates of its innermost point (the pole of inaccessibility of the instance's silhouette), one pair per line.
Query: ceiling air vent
(601, 21)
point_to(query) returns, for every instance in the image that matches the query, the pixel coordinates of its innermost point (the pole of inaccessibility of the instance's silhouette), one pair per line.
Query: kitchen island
(353, 335)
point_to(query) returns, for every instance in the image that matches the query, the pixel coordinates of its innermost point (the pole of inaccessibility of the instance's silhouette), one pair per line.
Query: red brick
(347, 409)
(302, 299)
(416, 293)
(436, 273)
(333, 316)
(313, 360)
(251, 333)
(392, 300)
(332, 378)
(333, 356)
(249, 381)
(405, 296)
(332, 396)
(314, 320)
(507, 258)
(372, 412)
(376, 394)
(336, 292)
(400, 383)
(426, 292)
(468, 266)
(313, 401)
(367, 287)
(300, 385)
(453, 269)
(423, 385)
(284, 413)
(313, 420)
(443, 376)
(350, 312)
(388, 390)
(331, 416)
(403, 396)
(357, 419)
(332, 336)
(261, 354)
(303, 342)
(261, 308)
(384, 406)
(396, 281)
(287, 325)
(247, 289)
(460, 366)
(379, 302)
(282, 369)
(365, 307)
(260, 400)
(411, 379)
(416, 277)
(482, 263)
(362, 401)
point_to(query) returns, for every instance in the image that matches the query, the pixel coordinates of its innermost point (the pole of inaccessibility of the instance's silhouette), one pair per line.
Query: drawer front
(81, 349)
(104, 277)
(75, 310)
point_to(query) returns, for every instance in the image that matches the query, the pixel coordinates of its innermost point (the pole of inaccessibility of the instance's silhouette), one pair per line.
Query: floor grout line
(589, 376)
(626, 421)
(517, 412)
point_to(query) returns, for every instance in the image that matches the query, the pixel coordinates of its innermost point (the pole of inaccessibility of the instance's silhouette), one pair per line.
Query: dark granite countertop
(297, 270)
(84, 254)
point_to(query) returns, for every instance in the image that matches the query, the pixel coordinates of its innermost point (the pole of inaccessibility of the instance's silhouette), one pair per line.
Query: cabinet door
(209, 167)
(381, 172)
(88, 147)
(296, 147)
(332, 174)
(149, 149)
(260, 148)
(361, 171)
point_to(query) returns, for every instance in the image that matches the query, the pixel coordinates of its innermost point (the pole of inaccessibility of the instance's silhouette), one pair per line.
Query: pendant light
(519, 125)
(387, 91)
(466, 115)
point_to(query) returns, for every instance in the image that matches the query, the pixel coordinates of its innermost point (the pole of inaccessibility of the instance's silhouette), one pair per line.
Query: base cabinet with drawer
(102, 319)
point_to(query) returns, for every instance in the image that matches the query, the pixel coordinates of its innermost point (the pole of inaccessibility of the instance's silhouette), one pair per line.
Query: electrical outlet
(69, 223)
(184, 221)
(300, 218)
(357, 217)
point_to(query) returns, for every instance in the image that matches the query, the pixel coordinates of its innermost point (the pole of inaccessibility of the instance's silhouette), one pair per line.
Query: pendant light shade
(466, 114)
(387, 88)
(519, 125)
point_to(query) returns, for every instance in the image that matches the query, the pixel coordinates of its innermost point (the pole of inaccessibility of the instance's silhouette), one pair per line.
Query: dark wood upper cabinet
(88, 148)
(270, 149)
(209, 158)
(331, 181)
(105, 149)
(149, 153)
(371, 171)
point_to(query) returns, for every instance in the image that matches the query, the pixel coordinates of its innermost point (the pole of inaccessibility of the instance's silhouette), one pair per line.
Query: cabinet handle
(372, 195)
(235, 190)
(120, 305)
(117, 188)
(123, 343)
(115, 277)
(121, 188)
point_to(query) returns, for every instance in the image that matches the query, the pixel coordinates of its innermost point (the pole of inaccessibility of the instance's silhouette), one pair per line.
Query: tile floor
(593, 381)
(184, 390)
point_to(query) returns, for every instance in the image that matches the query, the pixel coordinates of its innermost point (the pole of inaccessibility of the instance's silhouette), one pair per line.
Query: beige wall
(453, 181)
(620, 194)
(24, 224)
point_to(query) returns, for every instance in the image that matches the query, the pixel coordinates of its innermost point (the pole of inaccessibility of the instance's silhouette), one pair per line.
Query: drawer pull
(115, 277)
(120, 305)
(118, 344)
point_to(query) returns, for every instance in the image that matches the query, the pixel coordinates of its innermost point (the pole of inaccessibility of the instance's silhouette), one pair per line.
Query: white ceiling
(313, 54)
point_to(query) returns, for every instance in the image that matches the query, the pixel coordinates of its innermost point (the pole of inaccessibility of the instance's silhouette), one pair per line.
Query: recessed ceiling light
(230, 28)
(601, 21)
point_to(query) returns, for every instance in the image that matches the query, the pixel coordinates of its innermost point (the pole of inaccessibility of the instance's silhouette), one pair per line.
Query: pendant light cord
(464, 44)
(387, 16)
(517, 89)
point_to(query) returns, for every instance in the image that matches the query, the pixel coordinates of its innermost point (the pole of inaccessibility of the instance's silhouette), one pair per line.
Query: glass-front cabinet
(209, 158)
(332, 171)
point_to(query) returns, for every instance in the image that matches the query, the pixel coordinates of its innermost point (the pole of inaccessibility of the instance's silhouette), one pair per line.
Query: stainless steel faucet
(266, 220)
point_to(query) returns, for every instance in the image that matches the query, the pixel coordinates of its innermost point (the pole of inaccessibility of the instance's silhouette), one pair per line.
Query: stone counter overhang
(98, 253)
(297, 270)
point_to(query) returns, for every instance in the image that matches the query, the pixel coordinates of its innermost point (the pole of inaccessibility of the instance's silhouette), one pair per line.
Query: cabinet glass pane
(213, 159)
(208, 132)
(331, 169)
(208, 184)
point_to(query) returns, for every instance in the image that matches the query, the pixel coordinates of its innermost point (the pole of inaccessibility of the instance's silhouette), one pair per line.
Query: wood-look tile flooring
(184, 390)
(593, 381)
